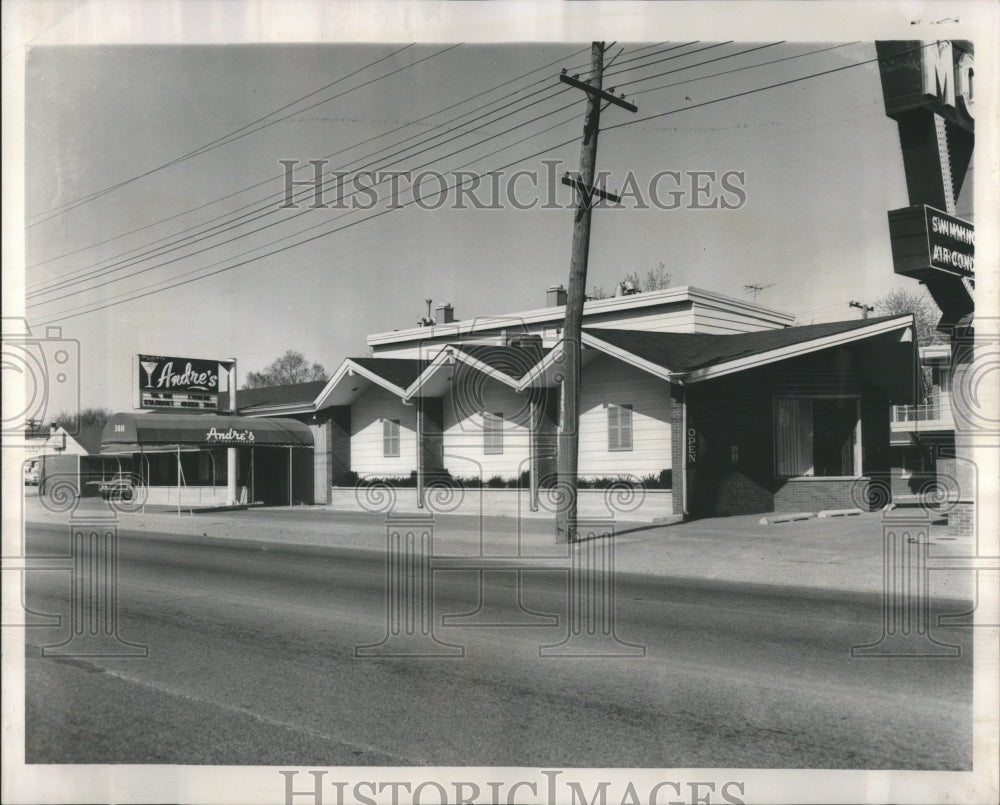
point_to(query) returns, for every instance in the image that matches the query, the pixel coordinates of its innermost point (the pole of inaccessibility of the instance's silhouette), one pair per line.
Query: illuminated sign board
(926, 241)
(936, 76)
(170, 382)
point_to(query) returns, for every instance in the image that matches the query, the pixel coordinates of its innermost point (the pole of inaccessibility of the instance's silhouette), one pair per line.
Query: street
(252, 661)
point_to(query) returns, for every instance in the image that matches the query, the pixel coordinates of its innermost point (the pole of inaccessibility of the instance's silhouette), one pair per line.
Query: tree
(93, 417)
(900, 301)
(290, 368)
(656, 279)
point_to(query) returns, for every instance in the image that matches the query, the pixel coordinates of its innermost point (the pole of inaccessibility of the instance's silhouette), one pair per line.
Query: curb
(785, 518)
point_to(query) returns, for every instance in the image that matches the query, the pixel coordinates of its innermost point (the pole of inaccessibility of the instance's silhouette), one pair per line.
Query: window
(390, 437)
(817, 436)
(492, 433)
(619, 427)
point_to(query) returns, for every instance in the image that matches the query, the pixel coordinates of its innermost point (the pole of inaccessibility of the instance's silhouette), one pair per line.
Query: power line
(234, 222)
(649, 117)
(709, 61)
(328, 156)
(63, 317)
(296, 215)
(230, 139)
(740, 69)
(265, 212)
(748, 92)
(671, 58)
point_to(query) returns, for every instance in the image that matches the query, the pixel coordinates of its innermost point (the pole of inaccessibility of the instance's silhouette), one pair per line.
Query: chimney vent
(445, 313)
(555, 296)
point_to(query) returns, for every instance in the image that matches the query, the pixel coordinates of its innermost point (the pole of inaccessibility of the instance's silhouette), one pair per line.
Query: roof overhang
(902, 326)
(349, 382)
(549, 371)
(435, 380)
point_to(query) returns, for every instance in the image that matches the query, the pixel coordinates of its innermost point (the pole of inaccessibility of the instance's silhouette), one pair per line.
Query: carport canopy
(127, 432)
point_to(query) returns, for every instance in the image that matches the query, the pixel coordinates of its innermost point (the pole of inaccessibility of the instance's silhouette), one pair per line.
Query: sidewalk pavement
(844, 553)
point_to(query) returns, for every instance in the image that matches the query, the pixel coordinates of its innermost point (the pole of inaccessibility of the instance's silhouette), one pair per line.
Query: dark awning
(131, 432)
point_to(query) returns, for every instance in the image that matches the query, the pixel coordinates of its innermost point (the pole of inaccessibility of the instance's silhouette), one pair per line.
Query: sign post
(231, 462)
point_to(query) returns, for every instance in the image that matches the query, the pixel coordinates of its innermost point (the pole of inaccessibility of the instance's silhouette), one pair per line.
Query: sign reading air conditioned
(926, 241)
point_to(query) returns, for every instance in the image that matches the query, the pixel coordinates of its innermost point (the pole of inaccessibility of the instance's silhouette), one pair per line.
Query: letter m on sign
(938, 72)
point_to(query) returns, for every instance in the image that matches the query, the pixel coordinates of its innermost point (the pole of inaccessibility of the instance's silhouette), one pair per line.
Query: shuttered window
(492, 433)
(619, 427)
(390, 437)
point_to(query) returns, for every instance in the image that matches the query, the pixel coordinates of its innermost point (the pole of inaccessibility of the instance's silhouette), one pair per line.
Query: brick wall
(816, 494)
(430, 422)
(339, 429)
(961, 520)
(546, 436)
(677, 442)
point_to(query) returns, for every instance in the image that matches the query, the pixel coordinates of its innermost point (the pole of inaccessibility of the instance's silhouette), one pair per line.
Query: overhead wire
(86, 273)
(284, 220)
(390, 209)
(328, 156)
(263, 212)
(228, 138)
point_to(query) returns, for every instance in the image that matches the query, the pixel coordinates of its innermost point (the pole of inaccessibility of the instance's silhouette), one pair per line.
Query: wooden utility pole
(586, 192)
(865, 309)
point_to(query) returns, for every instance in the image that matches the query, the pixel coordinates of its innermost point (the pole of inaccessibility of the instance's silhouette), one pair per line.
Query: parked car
(120, 487)
(31, 473)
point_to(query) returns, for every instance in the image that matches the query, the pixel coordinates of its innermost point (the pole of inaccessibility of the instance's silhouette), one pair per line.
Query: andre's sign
(170, 382)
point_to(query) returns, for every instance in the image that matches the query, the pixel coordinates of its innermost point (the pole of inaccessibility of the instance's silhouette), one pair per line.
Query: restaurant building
(725, 402)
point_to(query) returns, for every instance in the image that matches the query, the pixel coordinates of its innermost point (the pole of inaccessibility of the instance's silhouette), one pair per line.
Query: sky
(817, 160)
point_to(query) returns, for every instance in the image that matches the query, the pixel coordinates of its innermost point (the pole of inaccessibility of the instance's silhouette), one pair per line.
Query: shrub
(666, 479)
(496, 482)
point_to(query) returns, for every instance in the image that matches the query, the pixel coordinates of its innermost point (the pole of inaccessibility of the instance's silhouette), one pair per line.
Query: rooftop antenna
(756, 288)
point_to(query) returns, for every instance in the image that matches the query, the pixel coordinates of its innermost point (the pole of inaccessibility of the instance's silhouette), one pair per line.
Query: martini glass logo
(149, 367)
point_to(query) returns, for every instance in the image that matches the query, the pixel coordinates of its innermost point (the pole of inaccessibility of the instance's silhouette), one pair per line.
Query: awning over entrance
(131, 432)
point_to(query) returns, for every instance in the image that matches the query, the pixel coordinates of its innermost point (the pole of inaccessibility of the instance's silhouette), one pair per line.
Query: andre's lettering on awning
(231, 435)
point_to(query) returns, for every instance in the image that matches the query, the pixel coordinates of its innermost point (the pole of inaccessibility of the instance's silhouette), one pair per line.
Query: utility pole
(865, 309)
(567, 459)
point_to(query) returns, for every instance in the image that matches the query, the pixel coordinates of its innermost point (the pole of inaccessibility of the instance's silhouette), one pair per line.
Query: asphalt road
(252, 661)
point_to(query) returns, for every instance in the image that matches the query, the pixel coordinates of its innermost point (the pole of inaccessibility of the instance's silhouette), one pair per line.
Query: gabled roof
(505, 364)
(515, 362)
(355, 375)
(694, 356)
(268, 396)
(400, 372)
(89, 438)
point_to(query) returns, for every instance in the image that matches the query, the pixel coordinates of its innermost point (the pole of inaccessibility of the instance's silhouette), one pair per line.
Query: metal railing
(939, 411)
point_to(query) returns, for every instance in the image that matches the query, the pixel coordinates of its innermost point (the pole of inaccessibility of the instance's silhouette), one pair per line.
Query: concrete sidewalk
(829, 554)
